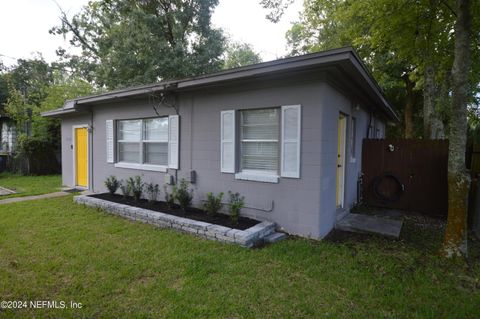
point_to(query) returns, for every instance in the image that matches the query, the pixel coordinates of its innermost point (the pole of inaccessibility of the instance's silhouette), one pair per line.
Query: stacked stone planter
(250, 237)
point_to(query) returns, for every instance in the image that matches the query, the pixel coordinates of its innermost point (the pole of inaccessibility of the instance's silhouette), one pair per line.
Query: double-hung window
(261, 144)
(259, 134)
(143, 141)
(129, 141)
(155, 141)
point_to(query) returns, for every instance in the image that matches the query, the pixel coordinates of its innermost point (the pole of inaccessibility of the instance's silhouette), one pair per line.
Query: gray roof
(346, 61)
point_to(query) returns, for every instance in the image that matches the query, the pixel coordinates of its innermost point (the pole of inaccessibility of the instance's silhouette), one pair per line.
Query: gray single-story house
(286, 134)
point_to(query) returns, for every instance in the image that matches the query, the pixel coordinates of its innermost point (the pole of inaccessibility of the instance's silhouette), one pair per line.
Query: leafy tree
(63, 88)
(3, 92)
(30, 77)
(128, 42)
(27, 82)
(34, 87)
(240, 54)
(327, 24)
(405, 43)
(277, 8)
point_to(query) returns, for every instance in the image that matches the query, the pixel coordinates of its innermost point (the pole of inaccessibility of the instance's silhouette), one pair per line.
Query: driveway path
(34, 197)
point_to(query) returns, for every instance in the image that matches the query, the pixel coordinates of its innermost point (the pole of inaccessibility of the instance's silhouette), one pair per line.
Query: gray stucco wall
(304, 206)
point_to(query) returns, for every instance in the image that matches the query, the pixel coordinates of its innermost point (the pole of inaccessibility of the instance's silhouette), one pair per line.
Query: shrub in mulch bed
(191, 212)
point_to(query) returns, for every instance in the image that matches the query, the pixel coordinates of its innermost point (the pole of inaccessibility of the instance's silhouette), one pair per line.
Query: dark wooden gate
(406, 174)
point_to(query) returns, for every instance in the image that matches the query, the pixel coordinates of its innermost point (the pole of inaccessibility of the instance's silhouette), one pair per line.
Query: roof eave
(360, 66)
(61, 112)
(265, 68)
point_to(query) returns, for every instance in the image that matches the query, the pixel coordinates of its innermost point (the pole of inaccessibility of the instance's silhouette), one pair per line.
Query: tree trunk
(428, 97)
(455, 242)
(432, 125)
(409, 103)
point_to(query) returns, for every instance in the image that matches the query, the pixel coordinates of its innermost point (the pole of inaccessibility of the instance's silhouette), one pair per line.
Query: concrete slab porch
(370, 224)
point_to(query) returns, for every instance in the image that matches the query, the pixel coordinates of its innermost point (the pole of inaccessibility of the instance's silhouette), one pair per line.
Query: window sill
(144, 167)
(257, 177)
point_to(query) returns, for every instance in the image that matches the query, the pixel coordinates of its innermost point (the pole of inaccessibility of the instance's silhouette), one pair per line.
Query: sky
(24, 26)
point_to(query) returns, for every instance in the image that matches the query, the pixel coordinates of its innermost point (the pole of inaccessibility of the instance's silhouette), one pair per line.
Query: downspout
(179, 134)
(91, 149)
(369, 126)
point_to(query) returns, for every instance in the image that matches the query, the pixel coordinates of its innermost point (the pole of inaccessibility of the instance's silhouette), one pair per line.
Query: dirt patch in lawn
(192, 212)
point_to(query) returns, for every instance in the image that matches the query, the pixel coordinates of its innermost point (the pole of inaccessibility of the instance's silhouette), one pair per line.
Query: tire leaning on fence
(390, 197)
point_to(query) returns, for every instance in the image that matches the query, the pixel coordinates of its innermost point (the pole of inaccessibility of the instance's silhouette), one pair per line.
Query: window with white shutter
(227, 141)
(291, 130)
(269, 143)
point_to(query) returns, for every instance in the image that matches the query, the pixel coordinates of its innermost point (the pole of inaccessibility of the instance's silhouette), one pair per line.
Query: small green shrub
(169, 198)
(213, 203)
(126, 191)
(112, 184)
(135, 185)
(184, 195)
(236, 203)
(152, 191)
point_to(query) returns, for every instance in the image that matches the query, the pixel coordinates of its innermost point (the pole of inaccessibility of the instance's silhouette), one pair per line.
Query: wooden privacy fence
(406, 174)
(473, 159)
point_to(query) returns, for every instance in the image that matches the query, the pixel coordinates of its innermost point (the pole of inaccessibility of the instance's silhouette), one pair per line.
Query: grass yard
(30, 185)
(57, 250)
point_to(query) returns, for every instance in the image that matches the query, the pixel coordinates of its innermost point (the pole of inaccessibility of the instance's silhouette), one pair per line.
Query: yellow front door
(81, 156)
(342, 132)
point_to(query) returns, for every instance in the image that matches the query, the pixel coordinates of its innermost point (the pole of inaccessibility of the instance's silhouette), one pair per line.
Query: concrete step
(370, 224)
(6, 191)
(274, 237)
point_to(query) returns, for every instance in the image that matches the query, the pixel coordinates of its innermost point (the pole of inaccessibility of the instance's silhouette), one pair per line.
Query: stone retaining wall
(248, 238)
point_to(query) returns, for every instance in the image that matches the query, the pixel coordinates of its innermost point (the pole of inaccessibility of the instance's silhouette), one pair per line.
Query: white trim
(260, 141)
(144, 167)
(257, 177)
(74, 152)
(298, 141)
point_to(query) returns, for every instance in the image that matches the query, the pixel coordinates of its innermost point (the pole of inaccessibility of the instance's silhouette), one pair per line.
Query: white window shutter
(173, 140)
(291, 137)
(227, 141)
(110, 142)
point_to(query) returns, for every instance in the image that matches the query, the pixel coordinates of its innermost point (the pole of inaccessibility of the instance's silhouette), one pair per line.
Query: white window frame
(142, 165)
(259, 175)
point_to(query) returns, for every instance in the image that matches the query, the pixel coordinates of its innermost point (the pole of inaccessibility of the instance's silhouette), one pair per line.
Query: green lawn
(56, 250)
(30, 185)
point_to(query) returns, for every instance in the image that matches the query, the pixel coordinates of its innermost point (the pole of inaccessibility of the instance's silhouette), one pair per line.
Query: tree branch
(74, 30)
(449, 7)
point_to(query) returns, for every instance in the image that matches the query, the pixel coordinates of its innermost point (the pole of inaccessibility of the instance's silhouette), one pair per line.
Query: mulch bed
(192, 212)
